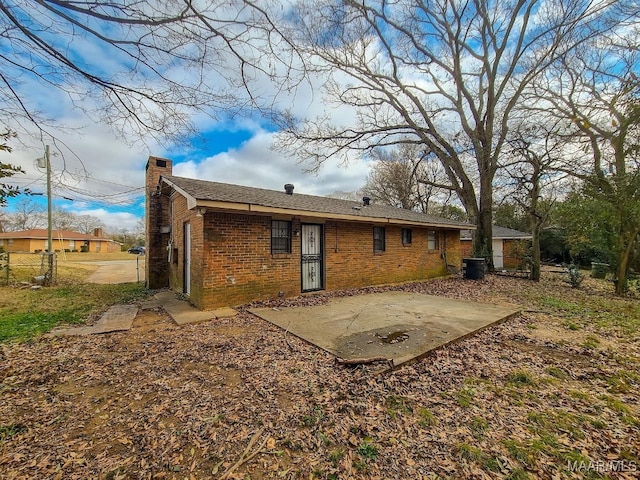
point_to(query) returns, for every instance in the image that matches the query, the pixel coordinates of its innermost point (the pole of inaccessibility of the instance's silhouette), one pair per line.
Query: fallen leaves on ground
(236, 398)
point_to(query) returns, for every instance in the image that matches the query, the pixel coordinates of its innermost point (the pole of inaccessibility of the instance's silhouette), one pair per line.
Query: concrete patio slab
(398, 326)
(117, 318)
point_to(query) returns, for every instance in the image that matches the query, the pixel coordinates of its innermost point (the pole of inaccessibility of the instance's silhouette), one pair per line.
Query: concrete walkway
(118, 271)
(120, 317)
(397, 326)
(182, 312)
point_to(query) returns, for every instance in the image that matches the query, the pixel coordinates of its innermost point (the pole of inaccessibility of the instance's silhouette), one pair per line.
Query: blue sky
(239, 154)
(103, 172)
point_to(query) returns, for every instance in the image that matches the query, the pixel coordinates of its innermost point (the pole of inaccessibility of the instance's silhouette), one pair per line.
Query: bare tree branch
(447, 75)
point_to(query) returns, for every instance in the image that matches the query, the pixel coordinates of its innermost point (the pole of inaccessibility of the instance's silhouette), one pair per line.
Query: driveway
(397, 326)
(118, 271)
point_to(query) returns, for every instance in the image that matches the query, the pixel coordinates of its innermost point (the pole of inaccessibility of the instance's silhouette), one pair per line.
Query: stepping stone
(183, 313)
(117, 318)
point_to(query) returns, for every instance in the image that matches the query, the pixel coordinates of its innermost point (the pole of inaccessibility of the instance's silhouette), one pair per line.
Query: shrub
(575, 276)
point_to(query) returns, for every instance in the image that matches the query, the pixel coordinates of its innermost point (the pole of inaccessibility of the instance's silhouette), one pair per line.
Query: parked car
(137, 250)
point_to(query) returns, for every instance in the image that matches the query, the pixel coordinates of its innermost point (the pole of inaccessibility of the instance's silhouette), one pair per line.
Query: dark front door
(312, 257)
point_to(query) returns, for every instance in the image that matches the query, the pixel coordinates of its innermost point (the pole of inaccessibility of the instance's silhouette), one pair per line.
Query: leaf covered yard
(551, 393)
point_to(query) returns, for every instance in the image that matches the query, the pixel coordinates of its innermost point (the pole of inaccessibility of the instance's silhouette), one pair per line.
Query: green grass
(591, 342)
(336, 456)
(622, 381)
(465, 397)
(8, 431)
(314, 417)
(478, 426)
(518, 474)
(604, 313)
(368, 451)
(469, 452)
(395, 405)
(621, 409)
(520, 378)
(557, 372)
(25, 314)
(427, 418)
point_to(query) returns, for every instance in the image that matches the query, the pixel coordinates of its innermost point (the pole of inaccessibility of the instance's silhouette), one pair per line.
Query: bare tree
(144, 66)
(442, 74)
(87, 223)
(354, 196)
(596, 94)
(404, 177)
(27, 214)
(533, 162)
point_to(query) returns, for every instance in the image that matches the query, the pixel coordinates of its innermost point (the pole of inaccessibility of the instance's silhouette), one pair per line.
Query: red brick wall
(180, 216)
(467, 248)
(454, 248)
(351, 261)
(156, 216)
(234, 264)
(238, 262)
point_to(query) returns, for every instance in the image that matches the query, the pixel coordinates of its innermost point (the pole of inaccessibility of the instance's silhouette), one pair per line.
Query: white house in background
(507, 245)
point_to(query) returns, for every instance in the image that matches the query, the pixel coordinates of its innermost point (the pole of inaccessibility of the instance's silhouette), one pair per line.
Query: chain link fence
(39, 268)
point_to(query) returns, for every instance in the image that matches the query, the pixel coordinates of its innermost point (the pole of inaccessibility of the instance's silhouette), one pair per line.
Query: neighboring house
(223, 244)
(36, 239)
(508, 246)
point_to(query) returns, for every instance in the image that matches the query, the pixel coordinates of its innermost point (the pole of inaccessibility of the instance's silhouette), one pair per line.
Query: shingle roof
(500, 233)
(41, 233)
(202, 190)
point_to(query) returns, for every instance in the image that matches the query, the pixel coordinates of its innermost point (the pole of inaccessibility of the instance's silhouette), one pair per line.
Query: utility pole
(48, 167)
(49, 275)
(45, 162)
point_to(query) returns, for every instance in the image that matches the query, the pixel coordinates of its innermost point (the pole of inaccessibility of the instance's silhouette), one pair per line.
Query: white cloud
(254, 164)
(115, 167)
(114, 221)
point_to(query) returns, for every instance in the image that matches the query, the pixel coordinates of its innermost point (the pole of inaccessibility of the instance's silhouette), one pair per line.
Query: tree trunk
(624, 254)
(536, 219)
(536, 223)
(482, 246)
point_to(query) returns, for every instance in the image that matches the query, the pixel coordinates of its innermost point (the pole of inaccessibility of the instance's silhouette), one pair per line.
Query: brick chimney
(97, 232)
(157, 211)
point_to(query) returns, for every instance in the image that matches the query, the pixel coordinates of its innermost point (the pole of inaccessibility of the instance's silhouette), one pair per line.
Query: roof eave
(192, 202)
(262, 209)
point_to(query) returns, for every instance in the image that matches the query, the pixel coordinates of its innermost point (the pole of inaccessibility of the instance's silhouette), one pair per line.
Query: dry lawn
(552, 393)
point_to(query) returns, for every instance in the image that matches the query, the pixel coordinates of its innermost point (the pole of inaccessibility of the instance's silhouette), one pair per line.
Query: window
(280, 236)
(378, 239)
(406, 236)
(432, 240)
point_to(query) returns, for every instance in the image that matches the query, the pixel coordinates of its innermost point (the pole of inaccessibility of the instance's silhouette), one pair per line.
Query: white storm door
(186, 273)
(498, 254)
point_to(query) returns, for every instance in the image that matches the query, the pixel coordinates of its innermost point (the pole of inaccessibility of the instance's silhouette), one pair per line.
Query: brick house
(223, 244)
(35, 240)
(508, 245)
